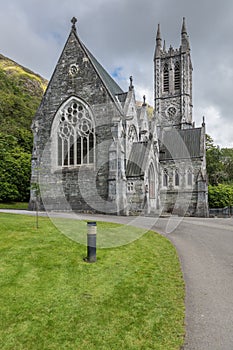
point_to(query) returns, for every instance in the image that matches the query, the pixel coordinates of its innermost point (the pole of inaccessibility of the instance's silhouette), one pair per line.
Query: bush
(220, 196)
(8, 192)
(15, 170)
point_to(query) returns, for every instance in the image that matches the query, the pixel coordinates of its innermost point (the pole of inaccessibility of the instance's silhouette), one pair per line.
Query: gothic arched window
(165, 178)
(177, 76)
(75, 135)
(189, 177)
(166, 78)
(151, 178)
(132, 134)
(177, 178)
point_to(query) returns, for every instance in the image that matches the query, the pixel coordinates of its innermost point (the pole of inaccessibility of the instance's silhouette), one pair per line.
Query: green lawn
(132, 298)
(14, 205)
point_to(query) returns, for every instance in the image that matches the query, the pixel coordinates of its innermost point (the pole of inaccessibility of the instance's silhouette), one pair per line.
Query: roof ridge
(110, 83)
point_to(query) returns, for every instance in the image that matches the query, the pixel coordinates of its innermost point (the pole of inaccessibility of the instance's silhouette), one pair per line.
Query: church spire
(158, 37)
(158, 46)
(184, 30)
(184, 37)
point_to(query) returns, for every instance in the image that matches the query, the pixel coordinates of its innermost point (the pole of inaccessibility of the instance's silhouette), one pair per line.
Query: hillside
(21, 91)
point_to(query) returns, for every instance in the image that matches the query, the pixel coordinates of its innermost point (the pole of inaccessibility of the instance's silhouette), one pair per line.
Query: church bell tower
(173, 82)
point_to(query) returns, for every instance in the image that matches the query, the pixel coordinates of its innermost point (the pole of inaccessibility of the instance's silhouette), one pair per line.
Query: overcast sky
(121, 34)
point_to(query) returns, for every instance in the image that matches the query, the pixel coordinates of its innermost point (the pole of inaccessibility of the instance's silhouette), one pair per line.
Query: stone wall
(181, 199)
(84, 83)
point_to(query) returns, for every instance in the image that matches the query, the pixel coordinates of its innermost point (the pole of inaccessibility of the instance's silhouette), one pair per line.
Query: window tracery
(75, 134)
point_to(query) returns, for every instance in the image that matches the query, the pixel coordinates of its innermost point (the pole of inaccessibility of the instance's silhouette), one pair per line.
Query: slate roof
(122, 97)
(109, 82)
(137, 158)
(181, 144)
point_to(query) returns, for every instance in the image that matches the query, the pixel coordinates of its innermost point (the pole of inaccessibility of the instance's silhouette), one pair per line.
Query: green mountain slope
(21, 91)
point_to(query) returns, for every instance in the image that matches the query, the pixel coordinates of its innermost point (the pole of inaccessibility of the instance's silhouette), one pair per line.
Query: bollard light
(91, 242)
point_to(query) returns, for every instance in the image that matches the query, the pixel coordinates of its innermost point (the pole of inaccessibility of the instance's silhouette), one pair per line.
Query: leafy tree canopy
(219, 163)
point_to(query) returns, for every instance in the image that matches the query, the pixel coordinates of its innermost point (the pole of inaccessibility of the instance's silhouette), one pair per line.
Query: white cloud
(216, 126)
(121, 33)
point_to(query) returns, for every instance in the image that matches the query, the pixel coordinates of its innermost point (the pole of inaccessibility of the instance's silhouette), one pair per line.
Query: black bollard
(91, 242)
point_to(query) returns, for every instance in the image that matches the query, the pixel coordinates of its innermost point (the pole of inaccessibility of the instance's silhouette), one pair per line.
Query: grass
(14, 205)
(132, 298)
(9, 65)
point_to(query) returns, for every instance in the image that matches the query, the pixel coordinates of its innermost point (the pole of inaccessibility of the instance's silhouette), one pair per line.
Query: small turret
(143, 121)
(184, 37)
(158, 46)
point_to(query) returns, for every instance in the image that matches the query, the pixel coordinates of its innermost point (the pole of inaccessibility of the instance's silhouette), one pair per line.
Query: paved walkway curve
(205, 248)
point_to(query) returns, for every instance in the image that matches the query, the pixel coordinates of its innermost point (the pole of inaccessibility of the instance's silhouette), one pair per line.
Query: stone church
(97, 150)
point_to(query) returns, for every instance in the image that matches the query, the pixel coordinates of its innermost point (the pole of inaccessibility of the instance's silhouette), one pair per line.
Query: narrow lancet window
(177, 76)
(165, 178)
(151, 182)
(190, 177)
(177, 178)
(165, 78)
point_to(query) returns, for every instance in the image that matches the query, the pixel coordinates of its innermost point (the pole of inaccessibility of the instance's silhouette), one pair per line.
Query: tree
(214, 164)
(227, 159)
(15, 169)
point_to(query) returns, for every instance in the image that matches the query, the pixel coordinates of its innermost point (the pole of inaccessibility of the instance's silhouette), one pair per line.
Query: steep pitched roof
(137, 158)
(111, 86)
(109, 82)
(181, 144)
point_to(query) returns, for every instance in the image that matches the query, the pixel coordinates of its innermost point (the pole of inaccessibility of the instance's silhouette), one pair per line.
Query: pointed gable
(79, 73)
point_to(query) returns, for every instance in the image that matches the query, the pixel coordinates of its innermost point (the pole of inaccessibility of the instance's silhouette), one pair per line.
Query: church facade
(96, 150)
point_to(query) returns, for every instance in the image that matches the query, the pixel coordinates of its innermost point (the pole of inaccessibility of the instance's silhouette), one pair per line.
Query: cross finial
(74, 21)
(131, 83)
(203, 121)
(144, 100)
